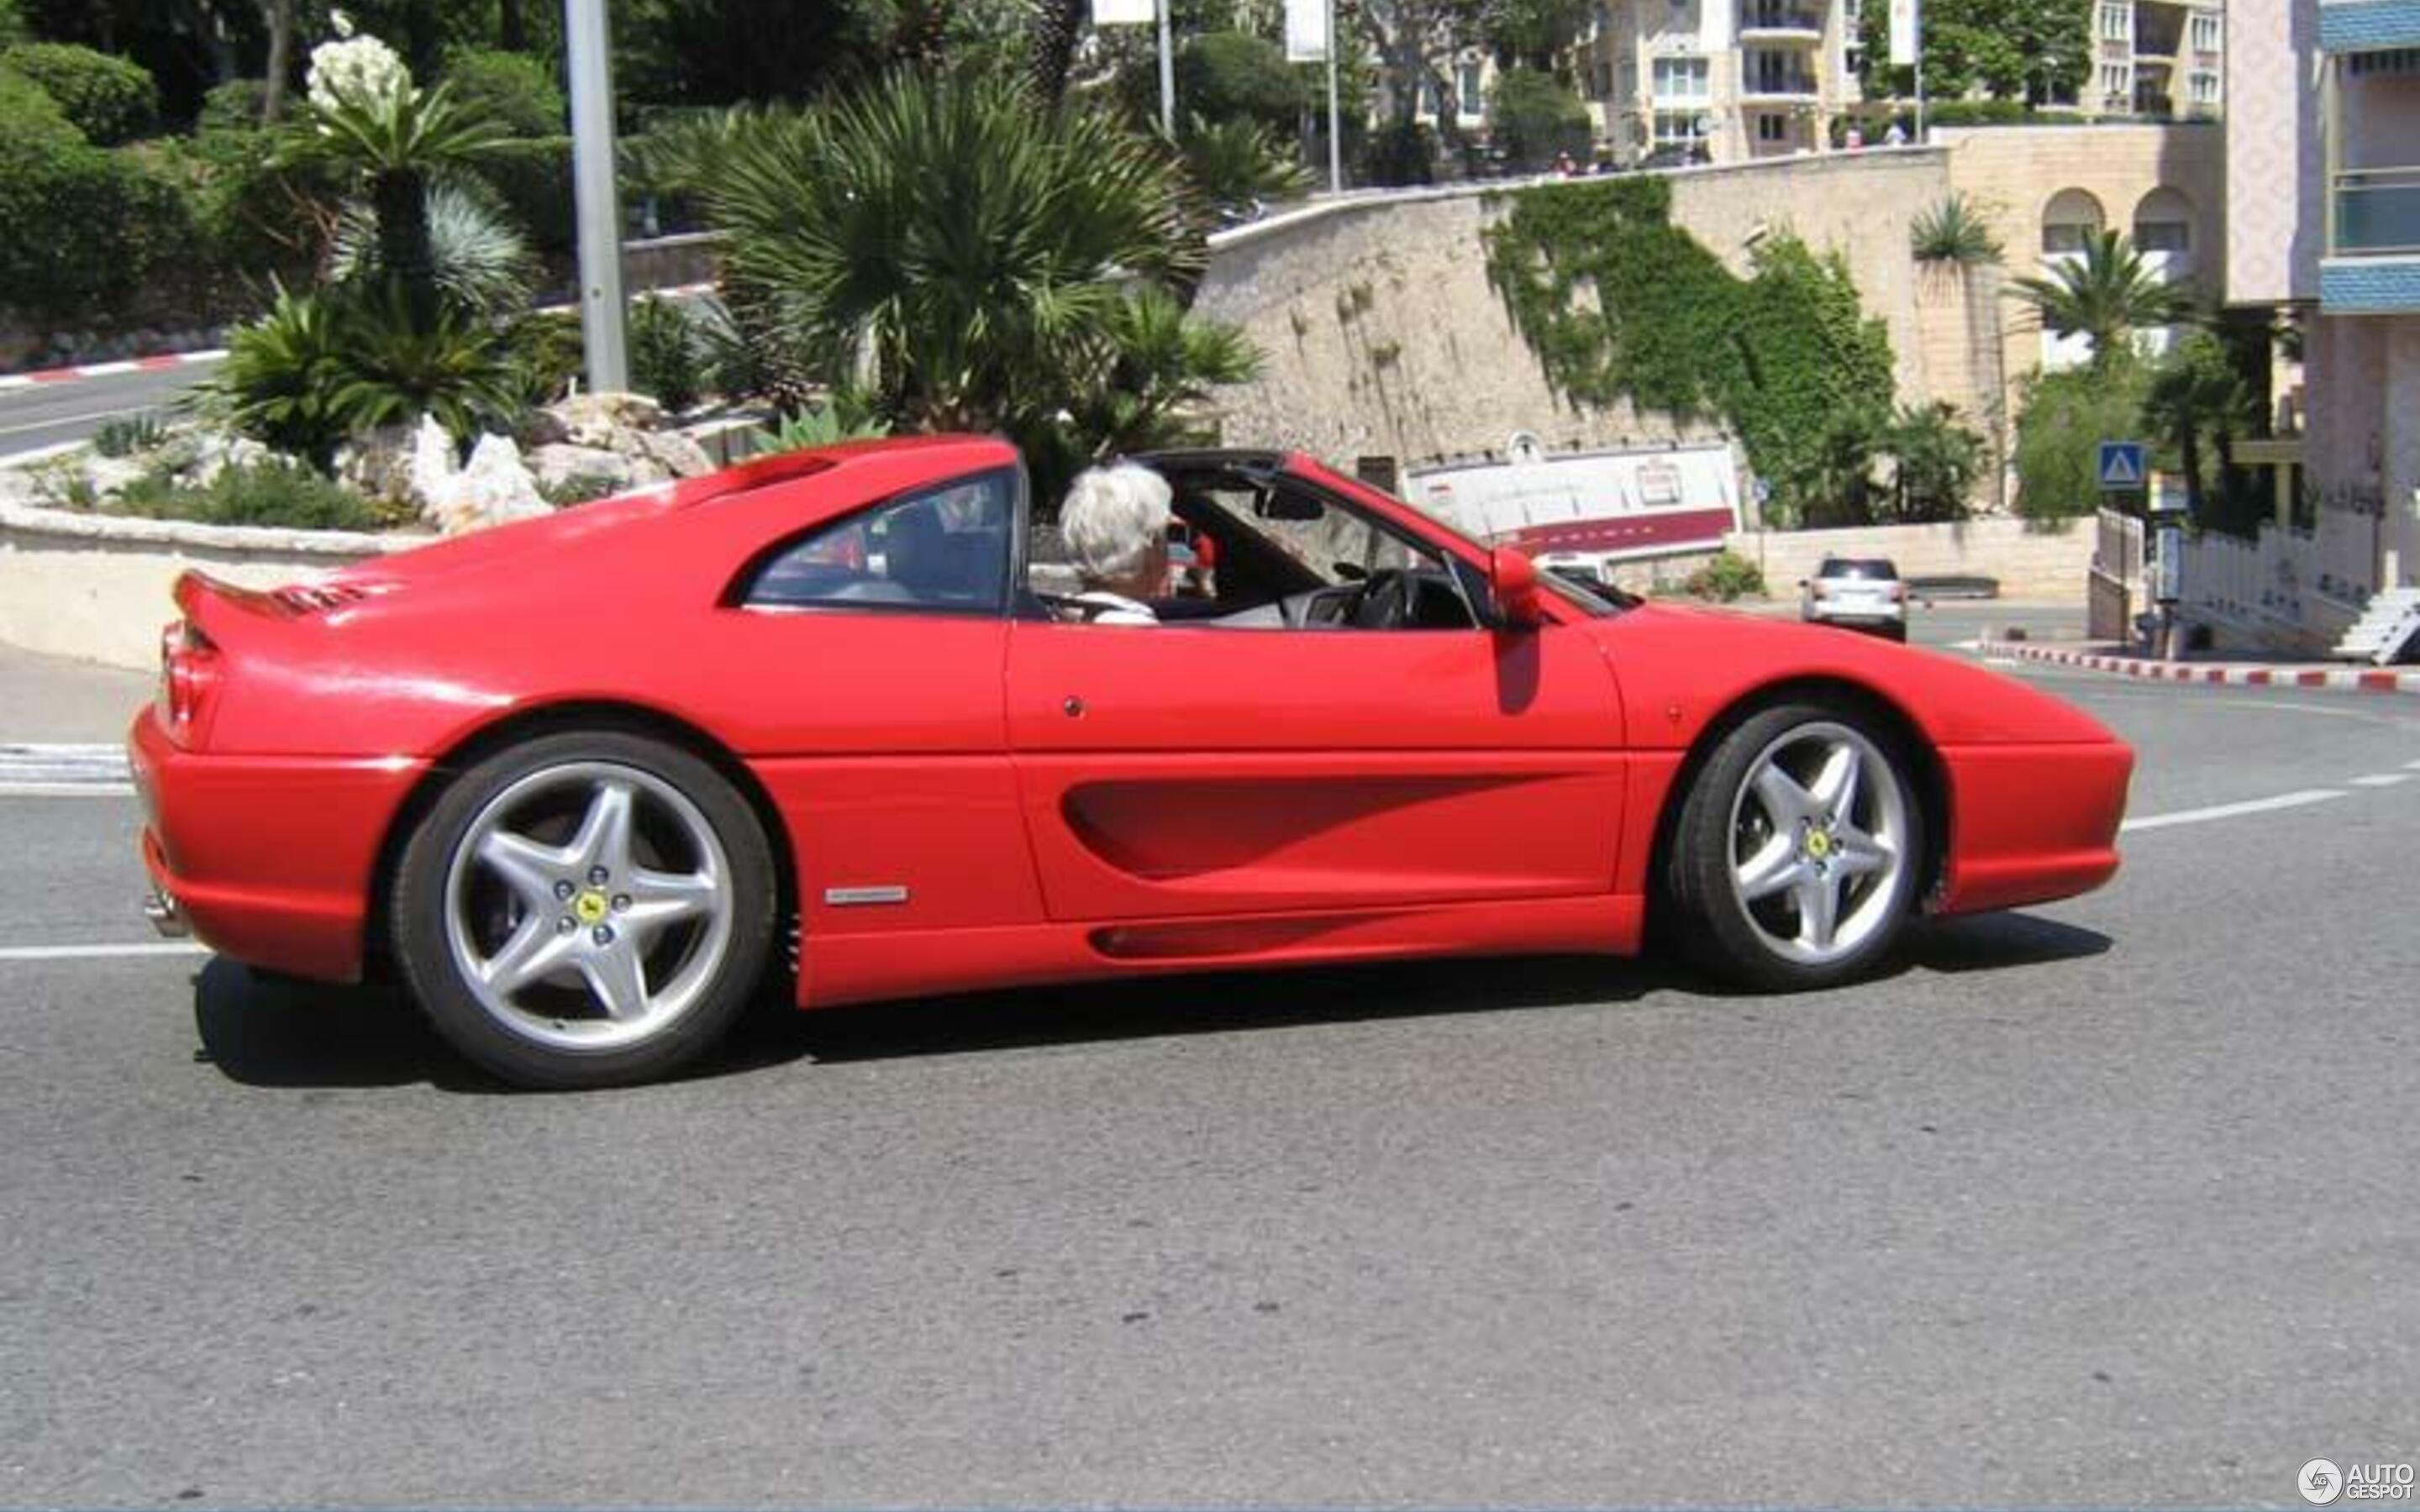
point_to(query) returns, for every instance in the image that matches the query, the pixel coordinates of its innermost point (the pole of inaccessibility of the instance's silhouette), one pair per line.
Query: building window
(2205, 32)
(2117, 23)
(1601, 80)
(1677, 127)
(2162, 235)
(1468, 100)
(2393, 60)
(2205, 87)
(1681, 78)
(2117, 83)
(1771, 127)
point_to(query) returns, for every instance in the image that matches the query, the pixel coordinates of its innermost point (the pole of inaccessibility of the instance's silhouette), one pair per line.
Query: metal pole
(1167, 78)
(595, 197)
(1335, 133)
(1920, 74)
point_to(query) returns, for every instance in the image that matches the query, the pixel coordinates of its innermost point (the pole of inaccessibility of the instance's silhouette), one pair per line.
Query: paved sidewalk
(2234, 672)
(55, 701)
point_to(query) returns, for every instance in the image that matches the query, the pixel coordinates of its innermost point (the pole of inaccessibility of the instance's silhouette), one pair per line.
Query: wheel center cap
(1819, 843)
(591, 907)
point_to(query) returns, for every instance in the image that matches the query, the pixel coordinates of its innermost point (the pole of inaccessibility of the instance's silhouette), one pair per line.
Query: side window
(942, 551)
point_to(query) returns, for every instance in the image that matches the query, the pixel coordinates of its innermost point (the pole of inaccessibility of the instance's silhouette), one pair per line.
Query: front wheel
(1795, 860)
(585, 910)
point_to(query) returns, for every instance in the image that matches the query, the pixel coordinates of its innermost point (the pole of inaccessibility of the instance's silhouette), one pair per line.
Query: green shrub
(1727, 576)
(128, 435)
(1400, 153)
(515, 90)
(256, 213)
(2062, 419)
(390, 369)
(236, 105)
(109, 98)
(264, 493)
(547, 352)
(1222, 76)
(533, 177)
(667, 360)
(279, 381)
(1533, 117)
(12, 24)
(80, 226)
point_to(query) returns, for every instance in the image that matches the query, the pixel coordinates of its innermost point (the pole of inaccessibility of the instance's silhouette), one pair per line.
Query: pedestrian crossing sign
(2121, 466)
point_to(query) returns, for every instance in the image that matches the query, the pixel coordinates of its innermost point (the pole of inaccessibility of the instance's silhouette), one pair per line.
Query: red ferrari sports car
(582, 781)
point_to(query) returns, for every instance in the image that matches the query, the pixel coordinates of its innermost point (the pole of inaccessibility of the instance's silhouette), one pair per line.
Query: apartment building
(1728, 79)
(2156, 57)
(2324, 204)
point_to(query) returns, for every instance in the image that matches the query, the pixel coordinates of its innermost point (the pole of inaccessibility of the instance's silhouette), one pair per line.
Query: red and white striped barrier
(2334, 679)
(96, 370)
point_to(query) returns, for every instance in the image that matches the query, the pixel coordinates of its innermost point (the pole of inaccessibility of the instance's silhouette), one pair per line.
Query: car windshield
(1878, 569)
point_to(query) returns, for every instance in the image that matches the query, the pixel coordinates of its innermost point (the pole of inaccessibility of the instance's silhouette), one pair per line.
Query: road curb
(159, 363)
(2325, 679)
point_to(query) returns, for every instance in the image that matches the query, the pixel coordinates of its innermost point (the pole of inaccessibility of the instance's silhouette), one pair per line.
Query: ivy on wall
(1618, 302)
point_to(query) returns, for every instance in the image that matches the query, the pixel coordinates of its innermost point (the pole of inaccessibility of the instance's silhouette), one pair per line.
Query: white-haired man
(1115, 522)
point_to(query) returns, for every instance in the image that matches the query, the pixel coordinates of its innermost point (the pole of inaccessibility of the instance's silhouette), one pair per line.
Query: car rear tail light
(189, 675)
(1896, 593)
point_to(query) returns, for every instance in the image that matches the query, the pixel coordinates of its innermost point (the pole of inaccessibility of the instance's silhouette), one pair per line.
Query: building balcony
(1784, 24)
(1786, 89)
(2364, 25)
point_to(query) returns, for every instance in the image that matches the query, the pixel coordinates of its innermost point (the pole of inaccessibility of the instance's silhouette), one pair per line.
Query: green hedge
(534, 177)
(80, 227)
(108, 99)
(516, 90)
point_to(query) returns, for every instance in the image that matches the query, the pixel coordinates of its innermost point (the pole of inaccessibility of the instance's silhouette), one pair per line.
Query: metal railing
(2377, 213)
(1780, 18)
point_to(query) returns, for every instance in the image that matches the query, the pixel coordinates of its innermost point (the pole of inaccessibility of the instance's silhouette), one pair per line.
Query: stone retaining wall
(2028, 563)
(97, 587)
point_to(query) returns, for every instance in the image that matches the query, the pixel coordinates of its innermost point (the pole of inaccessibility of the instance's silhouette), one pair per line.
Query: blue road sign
(2121, 466)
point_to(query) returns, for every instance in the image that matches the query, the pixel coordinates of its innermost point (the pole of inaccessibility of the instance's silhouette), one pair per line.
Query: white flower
(340, 24)
(359, 69)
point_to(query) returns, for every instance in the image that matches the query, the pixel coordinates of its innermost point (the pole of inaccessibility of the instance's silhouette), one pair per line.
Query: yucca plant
(842, 416)
(1235, 164)
(390, 372)
(1952, 232)
(957, 251)
(2107, 295)
(476, 257)
(278, 383)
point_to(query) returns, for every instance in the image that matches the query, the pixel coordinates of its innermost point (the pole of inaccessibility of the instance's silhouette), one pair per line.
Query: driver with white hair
(1116, 521)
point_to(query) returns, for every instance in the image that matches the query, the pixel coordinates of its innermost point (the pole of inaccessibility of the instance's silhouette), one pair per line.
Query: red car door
(1177, 770)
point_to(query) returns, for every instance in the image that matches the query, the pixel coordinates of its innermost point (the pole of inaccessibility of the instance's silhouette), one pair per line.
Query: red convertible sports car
(582, 781)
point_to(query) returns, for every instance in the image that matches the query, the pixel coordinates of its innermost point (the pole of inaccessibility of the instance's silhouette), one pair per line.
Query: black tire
(1705, 912)
(1896, 631)
(688, 803)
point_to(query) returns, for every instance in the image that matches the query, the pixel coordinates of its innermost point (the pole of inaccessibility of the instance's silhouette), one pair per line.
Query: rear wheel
(1795, 860)
(585, 910)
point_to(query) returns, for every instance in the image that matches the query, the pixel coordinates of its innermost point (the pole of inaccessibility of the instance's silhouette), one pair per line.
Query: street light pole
(1167, 77)
(1335, 135)
(595, 197)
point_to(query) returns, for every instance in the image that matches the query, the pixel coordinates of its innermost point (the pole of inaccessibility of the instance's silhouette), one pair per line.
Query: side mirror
(1513, 577)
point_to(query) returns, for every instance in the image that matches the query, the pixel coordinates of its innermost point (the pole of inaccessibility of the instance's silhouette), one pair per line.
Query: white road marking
(101, 953)
(2412, 766)
(2381, 779)
(2233, 810)
(67, 790)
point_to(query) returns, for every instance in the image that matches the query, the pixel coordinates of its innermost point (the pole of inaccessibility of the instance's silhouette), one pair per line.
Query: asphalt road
(2106, 1203)
(52, 414)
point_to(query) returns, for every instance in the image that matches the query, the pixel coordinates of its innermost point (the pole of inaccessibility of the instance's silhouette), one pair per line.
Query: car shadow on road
(272, 1032)
(269, 1031)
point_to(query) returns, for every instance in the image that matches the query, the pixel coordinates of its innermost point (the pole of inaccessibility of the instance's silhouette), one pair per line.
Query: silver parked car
(1864, 593)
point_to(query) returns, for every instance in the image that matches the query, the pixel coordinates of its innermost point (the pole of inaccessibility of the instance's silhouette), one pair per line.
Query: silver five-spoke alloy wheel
(588, 906)
(1819, 843)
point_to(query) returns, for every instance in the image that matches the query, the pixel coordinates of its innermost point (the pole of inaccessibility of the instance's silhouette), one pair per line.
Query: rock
(378, 466)
(110, 475)
(493, 488)
(214, 453)
(563, 467)
(676, 453)
(592, 419)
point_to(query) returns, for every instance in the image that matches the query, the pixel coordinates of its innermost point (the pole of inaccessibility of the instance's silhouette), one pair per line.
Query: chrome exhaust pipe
(166, 916)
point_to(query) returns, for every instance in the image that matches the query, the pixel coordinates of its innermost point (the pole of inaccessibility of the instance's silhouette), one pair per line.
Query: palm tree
(944, 245)
(1953, 238)
(2195, 390)
(1057, 26)
(2107, 295)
